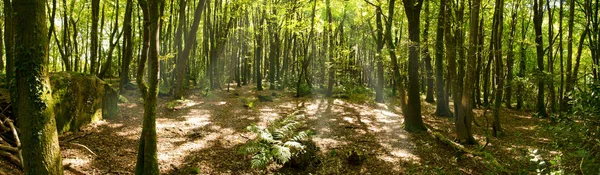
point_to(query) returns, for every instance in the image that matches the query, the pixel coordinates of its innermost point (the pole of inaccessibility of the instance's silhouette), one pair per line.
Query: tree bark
(465, 116)
(427, 57)
(442, 106)
(413, 121)
(94, 36)
(537, 22)
(147, 159)
(9, 40)
(127, 47)
(33, 103)
(183, 56)
(499, 67)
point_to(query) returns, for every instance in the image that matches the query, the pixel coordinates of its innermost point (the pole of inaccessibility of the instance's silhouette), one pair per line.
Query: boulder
(80, 99)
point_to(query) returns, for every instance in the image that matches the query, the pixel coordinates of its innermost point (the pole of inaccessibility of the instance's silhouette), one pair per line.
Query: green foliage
(279, 142)
(123, 99)
(248, 102)
(353, 93)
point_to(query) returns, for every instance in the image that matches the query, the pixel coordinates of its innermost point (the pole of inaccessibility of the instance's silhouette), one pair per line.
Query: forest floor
(203, 133)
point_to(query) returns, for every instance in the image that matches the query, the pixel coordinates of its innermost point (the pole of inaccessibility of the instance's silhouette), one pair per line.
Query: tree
(465, 115)
(413, 121)
(9, 40)
(379, 57)
(537, 22)
(94, 36)
(127, 47)
(183, 56)
(147, 160)
(497, 52)
(427, 57)
(442, 106)
(33, 98)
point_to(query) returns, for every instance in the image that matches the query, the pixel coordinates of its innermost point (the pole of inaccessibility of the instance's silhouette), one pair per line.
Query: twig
(581, 165)
(80, 146)
(17, 141)
(9, 148)
(12, 159)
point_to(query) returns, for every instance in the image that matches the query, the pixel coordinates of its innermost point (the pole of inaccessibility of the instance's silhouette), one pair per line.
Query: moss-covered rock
(80, 99)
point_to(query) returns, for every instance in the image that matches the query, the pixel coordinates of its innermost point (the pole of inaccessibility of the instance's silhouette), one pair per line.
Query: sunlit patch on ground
(205, 133)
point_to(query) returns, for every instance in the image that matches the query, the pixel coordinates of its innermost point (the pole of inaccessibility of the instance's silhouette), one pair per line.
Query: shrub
(278, 142)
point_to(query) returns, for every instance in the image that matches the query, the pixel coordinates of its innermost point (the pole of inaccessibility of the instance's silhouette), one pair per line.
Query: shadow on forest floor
(204, 132)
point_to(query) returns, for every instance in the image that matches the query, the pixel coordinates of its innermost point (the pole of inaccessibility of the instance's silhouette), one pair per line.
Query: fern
(278, 142)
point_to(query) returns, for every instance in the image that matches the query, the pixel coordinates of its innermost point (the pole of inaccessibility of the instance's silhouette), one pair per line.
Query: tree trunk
(569, 83)
(147, 159)
(9, 40)
(442, 106)
(427, 57)
(537, 22)
(465, 116)
(413, 121)
(379, 56)
(499, 68)
(551, 91)
(94, 36)
(127, 47)
(510, 56)
(34, 105)
(182, 57)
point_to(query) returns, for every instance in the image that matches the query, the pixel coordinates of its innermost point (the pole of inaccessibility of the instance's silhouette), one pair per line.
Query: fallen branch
(9, 149)
(80, 146)
(12, 159)
(462, 149)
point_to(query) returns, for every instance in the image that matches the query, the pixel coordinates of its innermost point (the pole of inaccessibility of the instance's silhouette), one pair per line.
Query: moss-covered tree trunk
(147, 160)
(9, 40)
(32, 94)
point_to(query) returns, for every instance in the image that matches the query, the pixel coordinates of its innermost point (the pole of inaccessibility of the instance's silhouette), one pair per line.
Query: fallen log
(462, 149)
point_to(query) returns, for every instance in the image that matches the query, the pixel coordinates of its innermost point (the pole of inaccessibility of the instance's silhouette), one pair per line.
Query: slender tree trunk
(94, 36)
(34, 105)
(522, 65)
(127, 47)
(259, 48)
(147, 159)
(465, 116)
(551, 91)
(569, 78)
(537, 21)
(182, 57)
(379, 56)
(442, 106)
(511, 55)
(427, 57)
(9, 40)
(330, 51)
(499, 67)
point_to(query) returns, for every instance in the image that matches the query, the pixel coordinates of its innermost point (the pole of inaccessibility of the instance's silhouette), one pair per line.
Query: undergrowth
(279, 142)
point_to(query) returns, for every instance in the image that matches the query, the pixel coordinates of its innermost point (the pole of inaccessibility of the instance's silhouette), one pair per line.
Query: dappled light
(152, 87)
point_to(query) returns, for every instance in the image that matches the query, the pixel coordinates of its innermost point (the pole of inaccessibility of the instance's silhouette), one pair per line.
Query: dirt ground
(202, 134)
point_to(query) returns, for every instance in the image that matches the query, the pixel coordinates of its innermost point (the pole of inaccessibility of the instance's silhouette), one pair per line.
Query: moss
(80, 99)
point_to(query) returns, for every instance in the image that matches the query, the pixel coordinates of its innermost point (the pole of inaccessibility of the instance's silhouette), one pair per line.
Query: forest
(299, 87)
